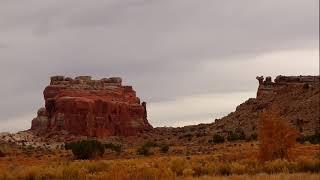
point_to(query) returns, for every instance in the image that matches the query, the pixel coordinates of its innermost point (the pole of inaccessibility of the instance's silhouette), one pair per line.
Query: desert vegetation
(163, 168)
(216, 139)
(86, 149)
(90, 149)
(275, 155)
(236, 136)
(313, 139)
(114, 147)
(2, 154)
(232, 159)
(148, 148)
(276, 136)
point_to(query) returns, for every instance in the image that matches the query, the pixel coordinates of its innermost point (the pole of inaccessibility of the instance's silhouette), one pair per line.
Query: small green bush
(114, 147)
(216, 139)
(144, 150)
(313, 139)
(312, 166)
(254, 137)
(5, 149)
(150, 144)
(2, 154)
(86, 149)
(164, 148)
(236, 136)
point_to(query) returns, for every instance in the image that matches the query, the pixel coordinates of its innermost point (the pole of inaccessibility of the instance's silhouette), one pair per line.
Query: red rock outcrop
(95, 108)
(296, 97)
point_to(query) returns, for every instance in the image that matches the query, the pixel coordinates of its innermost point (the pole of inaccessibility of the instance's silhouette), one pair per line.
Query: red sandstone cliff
(96, 108)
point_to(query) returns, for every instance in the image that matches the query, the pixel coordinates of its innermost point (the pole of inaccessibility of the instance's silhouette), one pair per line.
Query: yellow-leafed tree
(276, 136)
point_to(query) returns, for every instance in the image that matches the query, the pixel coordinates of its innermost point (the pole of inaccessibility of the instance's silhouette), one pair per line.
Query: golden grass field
(227, 161)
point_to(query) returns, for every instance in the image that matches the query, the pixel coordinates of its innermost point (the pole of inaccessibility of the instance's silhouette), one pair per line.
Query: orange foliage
(276, 136)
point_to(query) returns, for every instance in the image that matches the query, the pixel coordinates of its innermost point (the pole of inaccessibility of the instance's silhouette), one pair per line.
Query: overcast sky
(191, 60)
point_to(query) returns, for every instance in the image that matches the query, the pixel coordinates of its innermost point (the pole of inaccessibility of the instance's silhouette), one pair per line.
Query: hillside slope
(297, 98)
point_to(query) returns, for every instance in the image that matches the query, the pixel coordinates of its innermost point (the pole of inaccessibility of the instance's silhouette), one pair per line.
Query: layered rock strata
(95, 108)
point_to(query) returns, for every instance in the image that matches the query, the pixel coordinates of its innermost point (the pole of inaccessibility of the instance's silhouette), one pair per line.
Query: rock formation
(95, 108)
(269, 89)
(297, 97)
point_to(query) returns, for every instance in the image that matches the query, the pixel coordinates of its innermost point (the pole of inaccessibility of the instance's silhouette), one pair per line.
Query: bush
(144, 150)
(223, 169)
(216, 139)
(313, 139)
(178, 165)
(86, 149)
(164, 148)
(276, 136)
(5, 150)
(254, 137)
(309, 165)
(114, 147)
(150, 144)
(236, 136)
(280, 166)
(2, 154)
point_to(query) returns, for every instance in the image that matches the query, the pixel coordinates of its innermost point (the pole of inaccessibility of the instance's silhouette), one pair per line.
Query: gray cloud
(160, 47)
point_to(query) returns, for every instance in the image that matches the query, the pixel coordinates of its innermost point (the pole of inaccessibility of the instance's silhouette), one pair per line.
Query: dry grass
(237, 160)
(281, 176)
(161, 168)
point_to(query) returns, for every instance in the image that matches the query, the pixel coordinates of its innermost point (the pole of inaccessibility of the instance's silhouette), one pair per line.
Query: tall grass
(158, 168)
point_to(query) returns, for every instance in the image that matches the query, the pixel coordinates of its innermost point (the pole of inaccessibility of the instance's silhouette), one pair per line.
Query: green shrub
(306, 165)
(150, 144)
(86, 149)
(254, 136)
(114, 147)
(144, 150)
(236, 136)
(216, 139)
(164, 148)
(5, 150)
(2, 154)
(313, 139)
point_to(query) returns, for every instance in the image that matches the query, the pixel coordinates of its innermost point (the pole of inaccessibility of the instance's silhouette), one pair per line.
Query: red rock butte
(95, 108)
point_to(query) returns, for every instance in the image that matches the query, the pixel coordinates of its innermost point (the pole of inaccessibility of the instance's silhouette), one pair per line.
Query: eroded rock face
(40, 123)
(97, 108)
(296, 97)
(269, 89)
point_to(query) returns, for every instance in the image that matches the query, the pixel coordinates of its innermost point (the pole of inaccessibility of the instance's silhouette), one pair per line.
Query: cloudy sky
(191, 60)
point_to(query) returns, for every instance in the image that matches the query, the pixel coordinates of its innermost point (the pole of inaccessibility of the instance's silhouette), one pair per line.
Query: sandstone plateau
(86, 107)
